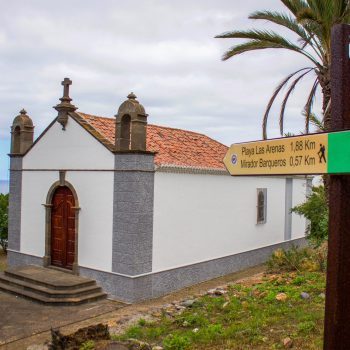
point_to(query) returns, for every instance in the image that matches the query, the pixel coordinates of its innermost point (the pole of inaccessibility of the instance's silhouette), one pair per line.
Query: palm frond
(287, 95)
(290, 23)
(311, 21)
(261, 39)
(317, 122)
(307, 14)
(275, 94)
(294, 6)
(281, 19)
(308, 105)
(288, 134)
(249, 46)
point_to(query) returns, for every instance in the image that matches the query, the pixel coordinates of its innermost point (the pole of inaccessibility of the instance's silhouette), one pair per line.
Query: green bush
(88, 345)
(4, 203)
(287, 260)
(299, 259)
(176, 342)
(315, 209)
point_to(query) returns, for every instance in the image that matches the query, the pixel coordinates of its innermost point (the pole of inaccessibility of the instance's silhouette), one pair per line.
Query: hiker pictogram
(321, 153)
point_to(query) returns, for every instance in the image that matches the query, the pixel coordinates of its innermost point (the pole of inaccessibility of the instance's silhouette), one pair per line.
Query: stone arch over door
(62, 183)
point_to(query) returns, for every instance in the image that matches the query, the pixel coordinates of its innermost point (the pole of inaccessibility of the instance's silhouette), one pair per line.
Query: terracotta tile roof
(174, 147)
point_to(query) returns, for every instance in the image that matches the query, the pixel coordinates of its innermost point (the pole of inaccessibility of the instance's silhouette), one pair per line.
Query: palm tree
(311, 21)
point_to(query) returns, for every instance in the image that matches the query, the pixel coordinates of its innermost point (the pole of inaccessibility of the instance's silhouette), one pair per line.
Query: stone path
(21, 318)
(24, 323)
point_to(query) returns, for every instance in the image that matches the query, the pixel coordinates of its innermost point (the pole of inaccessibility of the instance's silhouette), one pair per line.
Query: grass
(247, 317)
(3, 263)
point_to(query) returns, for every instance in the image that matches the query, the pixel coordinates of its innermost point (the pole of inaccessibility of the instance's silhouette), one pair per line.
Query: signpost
(327, 153)
(337, 316)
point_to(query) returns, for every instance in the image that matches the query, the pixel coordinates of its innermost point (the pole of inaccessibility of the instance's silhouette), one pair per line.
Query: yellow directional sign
(290, 155)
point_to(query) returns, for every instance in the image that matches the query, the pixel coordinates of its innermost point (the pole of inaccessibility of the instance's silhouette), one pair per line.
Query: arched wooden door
(63, 228)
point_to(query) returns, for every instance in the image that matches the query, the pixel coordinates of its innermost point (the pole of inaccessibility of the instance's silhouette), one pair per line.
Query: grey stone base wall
(131, 289)
(148, 286)
(17, 259)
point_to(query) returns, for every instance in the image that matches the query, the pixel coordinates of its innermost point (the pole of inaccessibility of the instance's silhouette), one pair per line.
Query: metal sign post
(337, 314)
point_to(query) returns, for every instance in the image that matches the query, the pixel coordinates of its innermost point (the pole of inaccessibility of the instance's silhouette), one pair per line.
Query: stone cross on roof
(66, 82)
(65, 106)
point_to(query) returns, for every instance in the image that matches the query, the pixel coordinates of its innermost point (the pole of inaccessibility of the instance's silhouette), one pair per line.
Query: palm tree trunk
(325, 82)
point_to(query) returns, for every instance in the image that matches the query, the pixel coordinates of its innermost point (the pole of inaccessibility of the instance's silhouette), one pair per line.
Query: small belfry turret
(131, 126)
(22, 133)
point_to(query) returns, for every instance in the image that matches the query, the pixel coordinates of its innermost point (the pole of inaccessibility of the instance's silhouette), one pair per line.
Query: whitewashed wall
(35, 186)
(70, 149)
(73, 148)
(203, 217)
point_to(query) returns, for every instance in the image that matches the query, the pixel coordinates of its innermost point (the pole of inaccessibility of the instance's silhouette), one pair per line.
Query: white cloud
(163, 50)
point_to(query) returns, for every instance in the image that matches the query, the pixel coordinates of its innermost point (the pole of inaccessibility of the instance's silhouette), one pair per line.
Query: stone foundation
(132, 289)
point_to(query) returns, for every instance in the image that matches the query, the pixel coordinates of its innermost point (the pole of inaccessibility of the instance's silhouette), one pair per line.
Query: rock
(322, 296)
(281, 296)
(135, 344)
(287, 342)
(95, 332)
(188, 303)
(180, 307)
(304, 295)
(211, 291)
(216, 291)
(220, 291)
(130, 344)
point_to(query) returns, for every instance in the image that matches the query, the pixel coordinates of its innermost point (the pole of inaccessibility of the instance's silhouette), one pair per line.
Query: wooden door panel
(57, 229)
(63, 228)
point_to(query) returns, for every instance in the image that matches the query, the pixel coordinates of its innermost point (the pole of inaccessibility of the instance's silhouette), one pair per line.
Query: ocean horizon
(4, 186)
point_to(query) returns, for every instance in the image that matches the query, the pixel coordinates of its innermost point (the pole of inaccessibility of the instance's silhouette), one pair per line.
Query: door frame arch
(48, 208)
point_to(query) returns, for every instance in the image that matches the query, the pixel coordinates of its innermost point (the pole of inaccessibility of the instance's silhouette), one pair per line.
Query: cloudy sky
(162, 50)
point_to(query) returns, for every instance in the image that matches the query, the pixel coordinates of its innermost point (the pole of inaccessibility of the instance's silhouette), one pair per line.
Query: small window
(125, 132)
(16, 144)
(261, 206)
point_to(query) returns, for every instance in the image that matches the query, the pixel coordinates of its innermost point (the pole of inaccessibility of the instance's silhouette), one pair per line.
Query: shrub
(88, 345)
(142, 322)
(176, 342)
(287, 260)
(299, 259)
(4, 202)
(315, 209)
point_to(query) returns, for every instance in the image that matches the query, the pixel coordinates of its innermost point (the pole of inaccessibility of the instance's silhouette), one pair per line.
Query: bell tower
(131, 126)
(22, 133)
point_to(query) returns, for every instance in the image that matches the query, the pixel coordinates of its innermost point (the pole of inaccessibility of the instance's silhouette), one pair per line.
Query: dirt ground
(118, 318)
